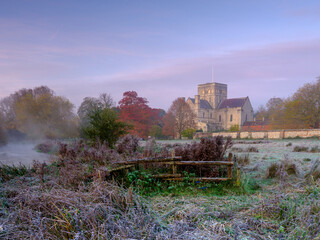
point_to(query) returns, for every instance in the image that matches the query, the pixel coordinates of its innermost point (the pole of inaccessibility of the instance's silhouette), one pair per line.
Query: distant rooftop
(203, 103)
(232, 103)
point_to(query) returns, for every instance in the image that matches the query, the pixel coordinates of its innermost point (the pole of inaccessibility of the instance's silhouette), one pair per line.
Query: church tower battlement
(214, 93)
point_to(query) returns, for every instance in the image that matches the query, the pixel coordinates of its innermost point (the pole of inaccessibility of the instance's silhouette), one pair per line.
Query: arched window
(210, 115)
(219, 118)
(203, 115)
(231, 118)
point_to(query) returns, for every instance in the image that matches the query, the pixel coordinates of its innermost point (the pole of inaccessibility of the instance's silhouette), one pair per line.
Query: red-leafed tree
(135, 110)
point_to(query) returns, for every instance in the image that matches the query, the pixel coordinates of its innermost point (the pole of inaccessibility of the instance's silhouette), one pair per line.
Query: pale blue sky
(161, 49)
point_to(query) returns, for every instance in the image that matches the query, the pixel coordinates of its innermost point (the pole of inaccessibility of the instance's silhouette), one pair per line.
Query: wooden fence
(175, 161)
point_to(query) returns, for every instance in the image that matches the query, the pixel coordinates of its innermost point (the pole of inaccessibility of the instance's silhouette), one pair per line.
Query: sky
(160, 49)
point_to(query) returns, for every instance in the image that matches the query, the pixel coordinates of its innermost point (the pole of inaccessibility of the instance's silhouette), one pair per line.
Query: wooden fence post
(174, 167)
(230, 167)
(238, 177)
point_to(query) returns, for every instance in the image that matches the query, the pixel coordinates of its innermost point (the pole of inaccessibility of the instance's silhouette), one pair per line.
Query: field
(276, 197)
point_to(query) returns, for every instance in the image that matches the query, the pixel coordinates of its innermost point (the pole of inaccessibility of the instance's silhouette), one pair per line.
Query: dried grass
(248, 149)
(243, 160)
(300, 149)
(282, 169)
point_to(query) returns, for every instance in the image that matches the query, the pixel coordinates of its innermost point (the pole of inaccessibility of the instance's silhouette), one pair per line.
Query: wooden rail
(150, 160)
(178, 161)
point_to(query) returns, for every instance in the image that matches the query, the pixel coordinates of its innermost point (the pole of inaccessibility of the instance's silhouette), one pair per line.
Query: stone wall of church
(247, 112)
(229, 117)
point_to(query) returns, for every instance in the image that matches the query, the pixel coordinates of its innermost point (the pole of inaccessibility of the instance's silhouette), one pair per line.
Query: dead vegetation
(243, 160)
(251, 142)
(248, 149)
(314, 149)
(284, 168)
(300, 149)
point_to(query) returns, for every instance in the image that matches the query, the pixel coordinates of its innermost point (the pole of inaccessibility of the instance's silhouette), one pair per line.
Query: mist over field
(21, 153)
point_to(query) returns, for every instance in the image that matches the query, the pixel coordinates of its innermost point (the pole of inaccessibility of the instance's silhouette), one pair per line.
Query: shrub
(209, 149)
(105, 126)
(78, 162)
(188, 133)
(128, 145)
(289, 144)
(156, 131)
(234, 128)
(148, 150)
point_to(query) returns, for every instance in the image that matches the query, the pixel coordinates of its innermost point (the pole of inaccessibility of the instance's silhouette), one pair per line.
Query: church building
(215, 111)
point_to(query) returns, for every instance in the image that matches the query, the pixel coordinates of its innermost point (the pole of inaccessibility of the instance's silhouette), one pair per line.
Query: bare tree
(90, 104)
(106, 100)
(183, 115)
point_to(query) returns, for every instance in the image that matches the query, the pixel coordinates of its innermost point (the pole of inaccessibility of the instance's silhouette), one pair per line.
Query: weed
(315, 149)
(282, 169)
(243, 160)
(300, 149)
(8, 172)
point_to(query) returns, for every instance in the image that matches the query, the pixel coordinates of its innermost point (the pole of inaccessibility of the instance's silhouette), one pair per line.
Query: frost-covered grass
(270, 151)
(73, 199)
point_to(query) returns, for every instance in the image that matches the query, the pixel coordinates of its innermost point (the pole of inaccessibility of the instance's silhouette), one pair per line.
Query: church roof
(232, 103)
(203, 103)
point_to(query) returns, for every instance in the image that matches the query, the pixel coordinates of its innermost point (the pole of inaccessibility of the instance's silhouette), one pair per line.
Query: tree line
(40, 113)
(301, 110)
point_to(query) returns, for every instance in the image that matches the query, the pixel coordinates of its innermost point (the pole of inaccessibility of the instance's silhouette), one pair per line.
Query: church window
(231, 118)
(246, 117)
(210, 115)
(203, 115)
(219, 118)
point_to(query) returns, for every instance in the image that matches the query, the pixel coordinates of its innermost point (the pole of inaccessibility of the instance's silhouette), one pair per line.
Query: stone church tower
(214, 93)
(215, 111)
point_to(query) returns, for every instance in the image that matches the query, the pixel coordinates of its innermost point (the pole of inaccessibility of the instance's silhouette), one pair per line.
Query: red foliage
(134, 110)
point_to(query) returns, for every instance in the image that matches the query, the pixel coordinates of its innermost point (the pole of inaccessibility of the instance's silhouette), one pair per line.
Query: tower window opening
(231, 118)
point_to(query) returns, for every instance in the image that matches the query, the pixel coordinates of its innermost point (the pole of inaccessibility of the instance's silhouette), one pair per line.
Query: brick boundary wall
(271, 134)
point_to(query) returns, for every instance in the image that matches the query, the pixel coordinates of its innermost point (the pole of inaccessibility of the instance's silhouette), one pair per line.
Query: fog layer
(24, 153)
